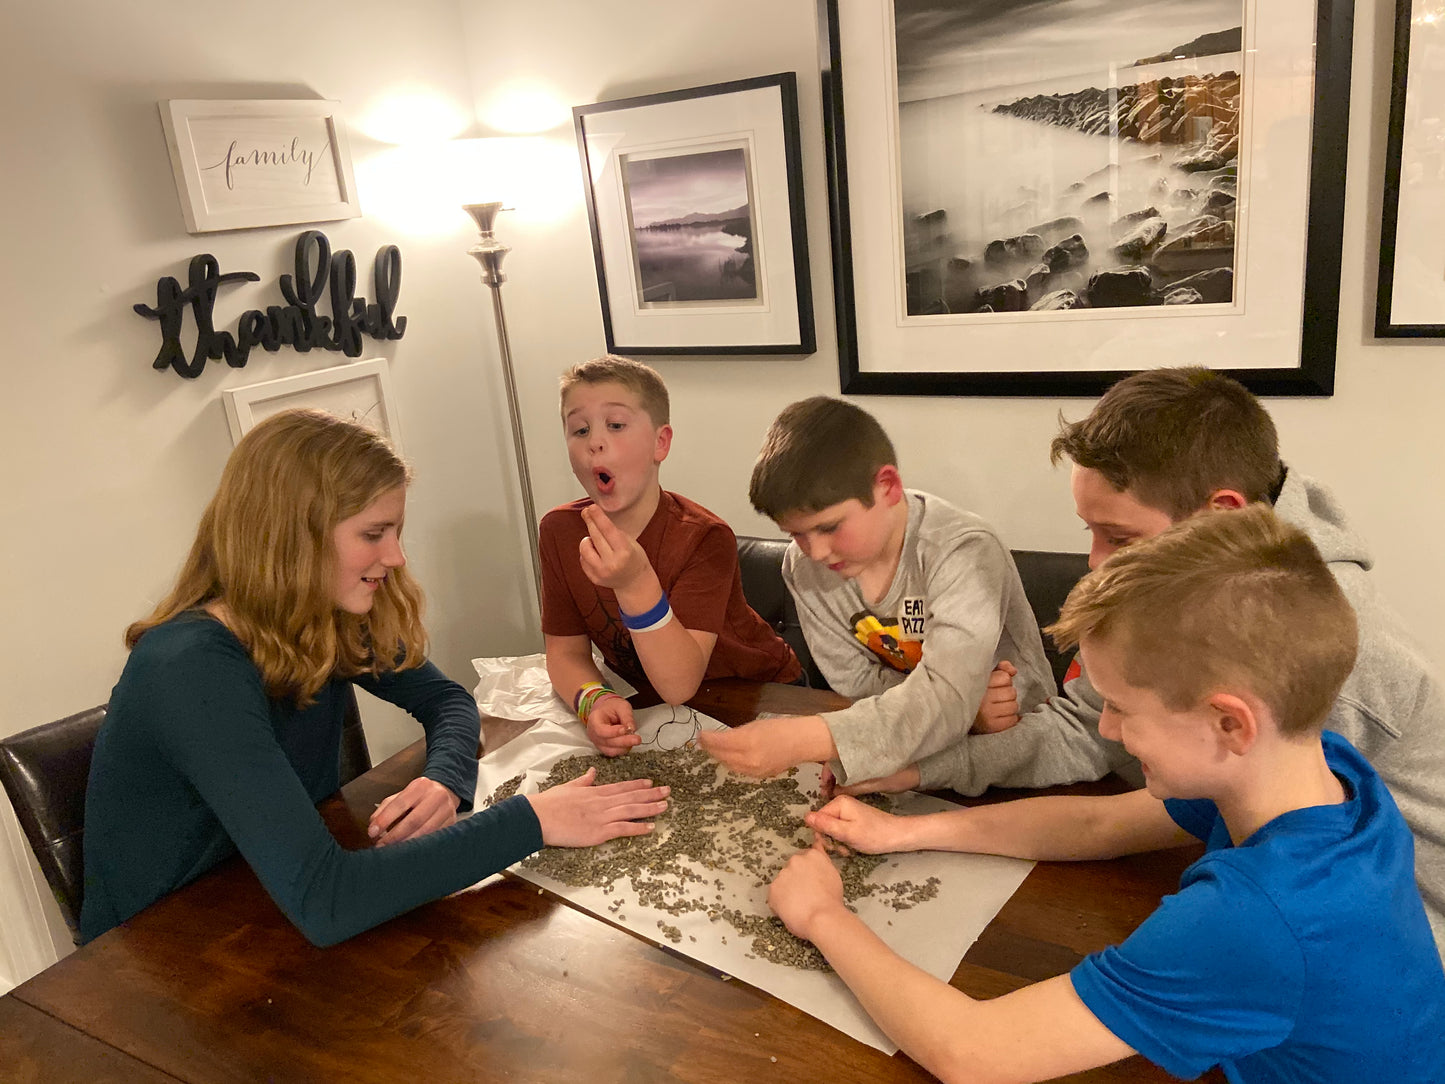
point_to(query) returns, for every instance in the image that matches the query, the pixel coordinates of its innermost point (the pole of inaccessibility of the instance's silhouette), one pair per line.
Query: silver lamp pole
(489, 252)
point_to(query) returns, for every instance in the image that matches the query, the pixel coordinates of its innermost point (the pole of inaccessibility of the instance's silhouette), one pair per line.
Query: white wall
(109, 462)
(1378, 441)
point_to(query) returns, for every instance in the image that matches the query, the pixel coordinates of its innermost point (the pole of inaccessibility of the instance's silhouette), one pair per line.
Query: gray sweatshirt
(1392, 708)
(955, 609)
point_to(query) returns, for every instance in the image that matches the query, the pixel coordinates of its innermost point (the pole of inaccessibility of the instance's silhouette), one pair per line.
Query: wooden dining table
(502, 981)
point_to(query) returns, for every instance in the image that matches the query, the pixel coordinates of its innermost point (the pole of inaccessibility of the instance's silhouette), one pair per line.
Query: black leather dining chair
(1048, 577)
(45, 770)
(761, 562)
(355, 756)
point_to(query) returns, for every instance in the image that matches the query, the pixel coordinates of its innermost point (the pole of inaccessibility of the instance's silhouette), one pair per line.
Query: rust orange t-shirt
(695, 556)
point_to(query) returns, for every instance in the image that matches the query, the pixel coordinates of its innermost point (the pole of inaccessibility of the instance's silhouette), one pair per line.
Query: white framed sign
(241, 164)
(359, 392)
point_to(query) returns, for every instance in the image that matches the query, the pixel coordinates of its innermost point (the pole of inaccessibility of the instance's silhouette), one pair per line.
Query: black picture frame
(758, 119)
(1390, 324)
(1313, 376)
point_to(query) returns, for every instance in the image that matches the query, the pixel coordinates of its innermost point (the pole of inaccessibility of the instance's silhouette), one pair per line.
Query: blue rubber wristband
(638, 622)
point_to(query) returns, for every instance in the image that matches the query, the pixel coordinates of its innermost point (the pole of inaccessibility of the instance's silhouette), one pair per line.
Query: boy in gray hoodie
(1159, 447)
(910, 606)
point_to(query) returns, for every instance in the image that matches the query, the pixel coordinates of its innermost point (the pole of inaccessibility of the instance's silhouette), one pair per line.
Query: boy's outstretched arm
(1037, 1033)
(769, 747)
(998, 712)
(1059, 829)
(674, 658)
(899, 719)
(570, 664)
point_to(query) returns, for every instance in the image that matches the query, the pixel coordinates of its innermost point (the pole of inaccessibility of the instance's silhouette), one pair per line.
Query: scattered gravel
(505, 790)
(716, 824)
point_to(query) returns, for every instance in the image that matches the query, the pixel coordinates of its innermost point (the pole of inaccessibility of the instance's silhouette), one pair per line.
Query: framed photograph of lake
(683, 255)
(1410, 298)
(1038, 198)
(695, 202)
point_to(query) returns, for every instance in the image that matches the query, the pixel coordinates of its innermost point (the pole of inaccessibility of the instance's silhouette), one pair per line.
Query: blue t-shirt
(1301, 955)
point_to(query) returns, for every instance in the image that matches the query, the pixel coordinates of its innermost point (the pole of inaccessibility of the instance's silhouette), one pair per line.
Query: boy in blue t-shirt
(1296, 948)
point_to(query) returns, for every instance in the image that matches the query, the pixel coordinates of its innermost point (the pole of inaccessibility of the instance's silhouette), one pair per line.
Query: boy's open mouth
(606, 480)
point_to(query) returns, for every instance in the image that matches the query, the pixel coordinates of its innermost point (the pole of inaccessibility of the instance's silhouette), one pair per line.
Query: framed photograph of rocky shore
(696, 206)
(1038, 198)
(1410, 297)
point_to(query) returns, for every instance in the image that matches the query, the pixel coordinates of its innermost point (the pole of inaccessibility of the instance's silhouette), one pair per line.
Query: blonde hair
(265, 549)
(1173, 437)
(817, 453)
(1230, 598)
(642, 380)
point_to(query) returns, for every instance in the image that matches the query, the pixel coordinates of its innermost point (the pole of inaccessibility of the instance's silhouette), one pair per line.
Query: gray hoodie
(1392, 708)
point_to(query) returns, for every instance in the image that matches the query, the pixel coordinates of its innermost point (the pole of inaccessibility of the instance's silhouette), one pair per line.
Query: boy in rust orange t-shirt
(648, 576)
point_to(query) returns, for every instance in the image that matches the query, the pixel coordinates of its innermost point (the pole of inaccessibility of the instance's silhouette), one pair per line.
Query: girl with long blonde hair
(224, 730)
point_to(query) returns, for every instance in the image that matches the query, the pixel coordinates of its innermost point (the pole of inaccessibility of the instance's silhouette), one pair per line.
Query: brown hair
(1172, 437)
(818, 452)
(642, 380)
(1230, 598)
(265, 548)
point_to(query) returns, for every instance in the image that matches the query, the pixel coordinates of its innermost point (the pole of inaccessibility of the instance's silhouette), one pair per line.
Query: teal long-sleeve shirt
(195, 762)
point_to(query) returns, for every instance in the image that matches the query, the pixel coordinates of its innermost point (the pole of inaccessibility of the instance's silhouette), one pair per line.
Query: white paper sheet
(517, 687)
(933, 935)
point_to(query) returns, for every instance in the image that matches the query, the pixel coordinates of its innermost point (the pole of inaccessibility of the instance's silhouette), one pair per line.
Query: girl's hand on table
(580, 814)
(422, 806)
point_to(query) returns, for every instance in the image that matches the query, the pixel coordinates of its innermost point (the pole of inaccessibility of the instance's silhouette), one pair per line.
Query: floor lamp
(489, 252)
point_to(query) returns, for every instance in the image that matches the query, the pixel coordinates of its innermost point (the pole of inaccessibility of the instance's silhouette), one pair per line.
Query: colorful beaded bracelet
(587, 697)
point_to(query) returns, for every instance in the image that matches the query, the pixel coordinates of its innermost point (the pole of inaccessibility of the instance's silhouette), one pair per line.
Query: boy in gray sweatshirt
(909, 605)
(1159, 447)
